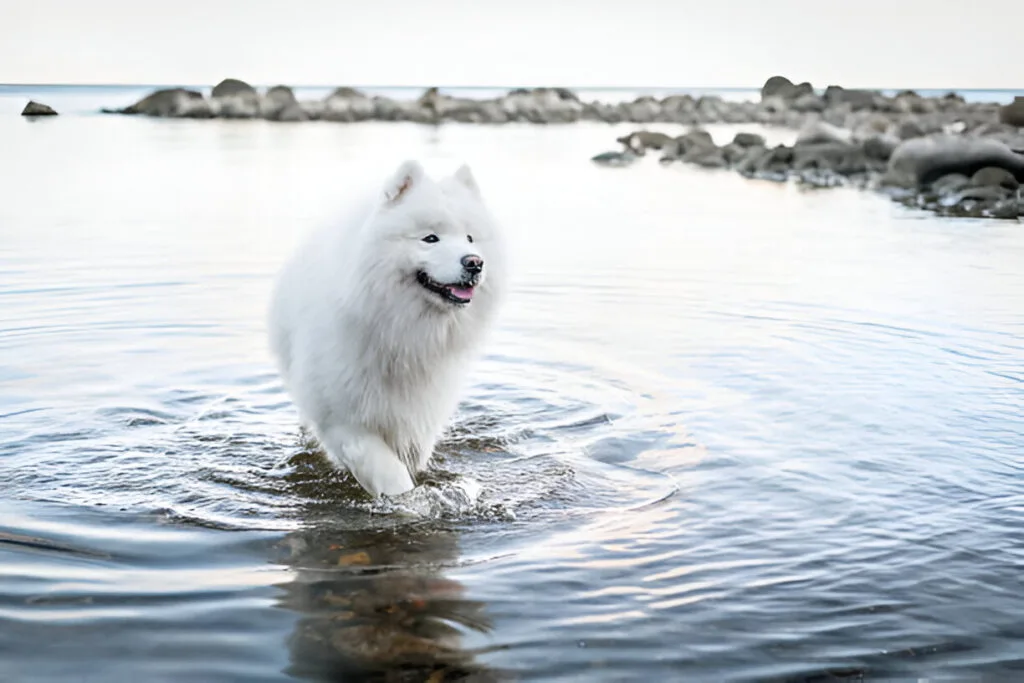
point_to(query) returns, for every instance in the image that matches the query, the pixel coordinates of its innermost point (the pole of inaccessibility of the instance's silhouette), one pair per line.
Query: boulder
(879, 147)
(748, 140)
(993, 176)
(808, 102)
(1013, 114)
(920, 161)
(232, 87)
(349, 104)
(165, 103)
(841, 158)
(34, 108)
(782, 87)
(277, 101)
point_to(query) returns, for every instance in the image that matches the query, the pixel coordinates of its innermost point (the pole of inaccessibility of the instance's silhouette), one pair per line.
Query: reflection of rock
(374, 601)
(34, 108)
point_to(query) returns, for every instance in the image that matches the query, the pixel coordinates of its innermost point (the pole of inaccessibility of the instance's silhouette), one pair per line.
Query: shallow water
(726, 431)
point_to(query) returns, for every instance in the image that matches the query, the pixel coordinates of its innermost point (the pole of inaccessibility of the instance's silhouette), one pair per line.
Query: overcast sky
(880, 43)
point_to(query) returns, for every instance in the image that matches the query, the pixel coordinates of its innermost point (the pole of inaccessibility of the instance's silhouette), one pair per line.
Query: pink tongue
(461, 292)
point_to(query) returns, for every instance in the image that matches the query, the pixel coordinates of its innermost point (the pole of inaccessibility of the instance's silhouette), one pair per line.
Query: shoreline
(940, 153)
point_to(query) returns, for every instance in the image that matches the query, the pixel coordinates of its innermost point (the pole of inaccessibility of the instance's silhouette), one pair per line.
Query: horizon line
(488, 87)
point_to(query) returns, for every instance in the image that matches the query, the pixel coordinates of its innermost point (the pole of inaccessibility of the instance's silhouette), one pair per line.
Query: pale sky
(867, 43)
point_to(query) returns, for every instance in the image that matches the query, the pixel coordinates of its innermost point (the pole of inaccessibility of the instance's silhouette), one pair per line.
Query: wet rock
(234, 99)
(1011, 209)
(291, 112)
(774, 163)
(920, 161)
(34, 108)
(748, 140)
(1013, 114)
(706, 157)
(993, 176)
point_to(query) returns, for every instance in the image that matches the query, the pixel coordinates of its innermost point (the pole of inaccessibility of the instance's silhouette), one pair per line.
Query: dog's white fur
(374, 360)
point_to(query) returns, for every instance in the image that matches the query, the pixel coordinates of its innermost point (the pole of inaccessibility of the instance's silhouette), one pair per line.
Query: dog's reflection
(376, 606)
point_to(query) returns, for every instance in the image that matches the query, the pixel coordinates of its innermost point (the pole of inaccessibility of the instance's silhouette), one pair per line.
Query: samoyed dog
(375, 320)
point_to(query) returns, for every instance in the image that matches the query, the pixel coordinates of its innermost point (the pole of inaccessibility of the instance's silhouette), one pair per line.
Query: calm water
(727, 430)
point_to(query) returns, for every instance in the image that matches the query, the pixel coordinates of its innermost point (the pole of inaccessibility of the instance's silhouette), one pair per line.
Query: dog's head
(437, 235)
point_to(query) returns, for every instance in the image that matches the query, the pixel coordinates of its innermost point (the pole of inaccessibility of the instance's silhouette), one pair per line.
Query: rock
(838, 157)
(235, 99)
(808, 102)
(1013, 114)
(979, 194)
(950, 184)
(643, 140)
(995, 177)
(291, 113)
(348, 104)
(748, 140)
(232, 87)
(782, 87)
(1006, 209)
(624, 158)
(170, 102)
(34, 108)
(734, 153)
(856, 99)
(909, 129)
(920, 161)
(879, 147)
(773, 163)
(819, 132)
(706, 157)
(279, 102)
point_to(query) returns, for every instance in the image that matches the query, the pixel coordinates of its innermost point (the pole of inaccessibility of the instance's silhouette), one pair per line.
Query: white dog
(374, 322)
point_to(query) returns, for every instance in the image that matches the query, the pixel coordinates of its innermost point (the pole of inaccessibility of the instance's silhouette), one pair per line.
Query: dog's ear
(409, 175)
(465, 178)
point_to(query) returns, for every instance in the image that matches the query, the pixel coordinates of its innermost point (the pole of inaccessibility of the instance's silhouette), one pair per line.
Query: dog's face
(436, 236)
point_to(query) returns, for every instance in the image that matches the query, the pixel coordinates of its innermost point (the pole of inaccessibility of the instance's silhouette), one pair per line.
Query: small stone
(34, 108)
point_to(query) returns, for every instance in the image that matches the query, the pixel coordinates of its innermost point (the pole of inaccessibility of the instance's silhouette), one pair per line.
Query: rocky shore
(939, 153)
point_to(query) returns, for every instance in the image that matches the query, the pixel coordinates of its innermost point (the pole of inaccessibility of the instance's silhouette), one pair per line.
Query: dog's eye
(470, 238)
(430, 239)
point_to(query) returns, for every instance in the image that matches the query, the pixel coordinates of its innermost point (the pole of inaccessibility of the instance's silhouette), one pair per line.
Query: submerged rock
(624, 158)
(34, 108)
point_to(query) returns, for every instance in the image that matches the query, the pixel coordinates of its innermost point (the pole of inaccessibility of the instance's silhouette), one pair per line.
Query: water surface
(726, 430)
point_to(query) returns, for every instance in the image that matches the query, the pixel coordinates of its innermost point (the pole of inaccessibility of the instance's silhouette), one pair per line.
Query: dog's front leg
(370, 460)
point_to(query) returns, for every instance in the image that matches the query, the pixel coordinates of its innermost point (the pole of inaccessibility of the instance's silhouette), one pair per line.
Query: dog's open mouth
(459, 293)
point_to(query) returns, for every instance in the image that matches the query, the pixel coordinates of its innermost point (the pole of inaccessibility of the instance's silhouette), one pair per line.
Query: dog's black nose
(473, 263)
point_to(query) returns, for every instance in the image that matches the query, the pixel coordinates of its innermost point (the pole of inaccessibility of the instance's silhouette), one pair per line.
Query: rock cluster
(782, 103)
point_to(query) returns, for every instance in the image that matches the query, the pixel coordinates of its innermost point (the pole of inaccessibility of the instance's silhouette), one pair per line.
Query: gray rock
(34, 108)
(838, 157)
(950, 184)
(748, 140)
(1013, 114)
(165, 103)
(820, 132)
(879, 147)
(920, 161)
(1007, 209)
(291, 112)
(909, 129)
(643, 140)
(995, 177)
(808, 102)
(232, 87)
(348, 105)
(782, 87)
